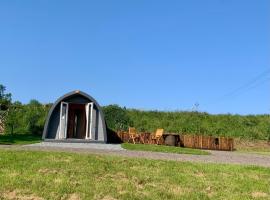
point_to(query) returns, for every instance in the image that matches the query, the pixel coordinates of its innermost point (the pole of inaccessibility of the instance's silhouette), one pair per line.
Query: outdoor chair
(133, 135)
(157, 136)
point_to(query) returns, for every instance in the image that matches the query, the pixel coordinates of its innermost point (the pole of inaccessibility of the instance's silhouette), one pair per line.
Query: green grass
(19, 139)
(201, 123)
(162, 148)
(54, 175)
(255, 151)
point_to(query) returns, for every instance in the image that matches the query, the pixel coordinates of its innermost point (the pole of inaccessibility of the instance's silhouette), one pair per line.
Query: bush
(26, 119)
(116, 118)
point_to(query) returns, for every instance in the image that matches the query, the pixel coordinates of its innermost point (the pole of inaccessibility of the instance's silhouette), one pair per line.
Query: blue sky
(165, 55)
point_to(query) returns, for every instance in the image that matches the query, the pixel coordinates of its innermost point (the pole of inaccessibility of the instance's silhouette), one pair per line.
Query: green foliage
(30, 119)
(116, 117)
(35, 115)
(26, 119)
(249, 127)
(5, 98)
(12, 121)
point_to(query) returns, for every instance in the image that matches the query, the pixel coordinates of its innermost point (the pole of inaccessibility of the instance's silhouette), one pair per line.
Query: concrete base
(76, 145)
(74, 141)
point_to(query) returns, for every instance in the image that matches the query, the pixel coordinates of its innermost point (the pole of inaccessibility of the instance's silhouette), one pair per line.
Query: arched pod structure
(76, 116)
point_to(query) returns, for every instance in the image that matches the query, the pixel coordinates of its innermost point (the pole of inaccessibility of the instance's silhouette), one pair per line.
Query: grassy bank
(19, 139)
(253, 146)
(47, 175)
(248, 127)
(30, 118)
(163, 149)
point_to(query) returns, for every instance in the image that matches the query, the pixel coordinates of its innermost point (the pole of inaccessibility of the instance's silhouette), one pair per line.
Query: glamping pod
(75, 117)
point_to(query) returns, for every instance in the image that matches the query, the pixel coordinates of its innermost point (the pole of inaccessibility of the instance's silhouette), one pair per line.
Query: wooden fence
(207, 142)
(190, 141)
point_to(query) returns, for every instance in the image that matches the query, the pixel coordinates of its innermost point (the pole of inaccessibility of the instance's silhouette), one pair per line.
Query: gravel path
(110, 149)
(85, 146)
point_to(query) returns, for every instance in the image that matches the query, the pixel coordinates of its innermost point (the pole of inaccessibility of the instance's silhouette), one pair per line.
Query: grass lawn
(19, 139)
(55, 175)
(162, 148)
(255, 151)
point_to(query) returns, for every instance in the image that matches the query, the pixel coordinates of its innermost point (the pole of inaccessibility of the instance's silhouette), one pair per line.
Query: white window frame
(89, 121)
(64, 136)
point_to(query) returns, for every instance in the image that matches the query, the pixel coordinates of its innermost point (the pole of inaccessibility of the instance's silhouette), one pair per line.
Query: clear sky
(146, 54)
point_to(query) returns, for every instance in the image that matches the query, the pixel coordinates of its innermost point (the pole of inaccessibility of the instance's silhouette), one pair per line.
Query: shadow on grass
(112, 137)
(19, 139)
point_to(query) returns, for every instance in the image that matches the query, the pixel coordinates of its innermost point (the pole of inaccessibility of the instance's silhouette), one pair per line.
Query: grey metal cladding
(52, 122)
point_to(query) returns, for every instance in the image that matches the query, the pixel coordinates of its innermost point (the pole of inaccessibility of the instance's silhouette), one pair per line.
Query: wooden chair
(133, 135)
(157, 136)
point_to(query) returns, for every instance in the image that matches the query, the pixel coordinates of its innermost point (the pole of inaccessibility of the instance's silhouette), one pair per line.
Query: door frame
(89, 121)
(63, 134)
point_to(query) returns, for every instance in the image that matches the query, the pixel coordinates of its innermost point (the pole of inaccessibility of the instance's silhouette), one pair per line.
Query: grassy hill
(30, 119)
(249, 127)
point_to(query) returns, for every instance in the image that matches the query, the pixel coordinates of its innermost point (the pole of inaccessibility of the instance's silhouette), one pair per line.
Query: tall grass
(249, 127)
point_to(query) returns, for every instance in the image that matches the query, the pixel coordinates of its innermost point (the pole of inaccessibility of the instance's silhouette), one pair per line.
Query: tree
(5, 102)
(13, 117)
(35, 116)
(117, 118)
(5, 98)
(26, 119)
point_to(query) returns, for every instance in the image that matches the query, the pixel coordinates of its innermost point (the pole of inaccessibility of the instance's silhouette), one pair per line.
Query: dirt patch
(17, 195)
(259, 195)
(210, 191)
(74, 197)
(119, 176)
(47, 171)
(177, 190)
(57, 181)
(13, 174)
(199, 174)
(108, 198)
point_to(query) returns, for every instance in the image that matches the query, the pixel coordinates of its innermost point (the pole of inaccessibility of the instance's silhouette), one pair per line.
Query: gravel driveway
(110, 149)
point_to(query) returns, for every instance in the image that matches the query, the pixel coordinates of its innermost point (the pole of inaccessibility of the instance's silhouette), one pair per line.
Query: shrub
(26, 119)
(116, 118)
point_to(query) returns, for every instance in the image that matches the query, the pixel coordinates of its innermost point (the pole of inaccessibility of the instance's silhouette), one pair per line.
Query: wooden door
(77, 121)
